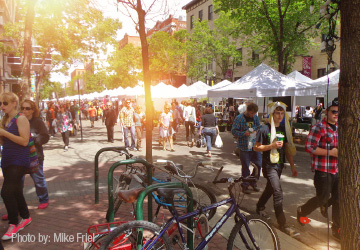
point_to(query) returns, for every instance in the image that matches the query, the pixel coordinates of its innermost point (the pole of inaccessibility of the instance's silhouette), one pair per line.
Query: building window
(200, 15)
(321, 72)
(239, 62)
(191, 21)
(210, 12)
(255, 56)
(323, 38)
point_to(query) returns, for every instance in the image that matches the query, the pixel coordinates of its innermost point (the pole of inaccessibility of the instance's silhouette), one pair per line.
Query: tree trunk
(39, 80)
(349, 126)
(26, 67)
(147, 81)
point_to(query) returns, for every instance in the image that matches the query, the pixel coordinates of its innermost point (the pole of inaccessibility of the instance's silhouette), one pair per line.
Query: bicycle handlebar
(231, 180)
(205, 164)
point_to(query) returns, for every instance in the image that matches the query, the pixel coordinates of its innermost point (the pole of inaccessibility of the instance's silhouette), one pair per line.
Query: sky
(111, 9)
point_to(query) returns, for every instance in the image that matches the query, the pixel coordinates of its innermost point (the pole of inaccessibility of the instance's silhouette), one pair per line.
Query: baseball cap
(334, 102)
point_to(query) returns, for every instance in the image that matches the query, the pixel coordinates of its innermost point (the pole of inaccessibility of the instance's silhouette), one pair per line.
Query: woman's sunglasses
(4, 103)
(26, 108)
(334, 112)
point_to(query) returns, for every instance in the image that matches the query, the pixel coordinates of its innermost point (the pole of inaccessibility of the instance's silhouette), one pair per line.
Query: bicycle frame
(233, 209)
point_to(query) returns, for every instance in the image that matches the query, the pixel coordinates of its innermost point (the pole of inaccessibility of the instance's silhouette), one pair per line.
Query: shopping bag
(218, 142)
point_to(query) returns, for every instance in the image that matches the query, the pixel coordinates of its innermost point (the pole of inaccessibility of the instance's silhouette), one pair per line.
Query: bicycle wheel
(118, 185)
(127, 235)
(98, 239)
(201, 229)
(202, 197)
(264, 234)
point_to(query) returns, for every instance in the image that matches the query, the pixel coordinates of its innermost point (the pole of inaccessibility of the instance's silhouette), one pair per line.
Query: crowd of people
(267, 146)
(274, 140)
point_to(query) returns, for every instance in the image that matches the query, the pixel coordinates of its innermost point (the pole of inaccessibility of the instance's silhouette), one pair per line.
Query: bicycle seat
(172, 169)
(168, 193)
(129, 196)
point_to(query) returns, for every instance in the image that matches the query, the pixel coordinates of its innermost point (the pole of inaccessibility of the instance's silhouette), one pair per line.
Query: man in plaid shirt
(127, 121)
(322, 144)
(245, 127)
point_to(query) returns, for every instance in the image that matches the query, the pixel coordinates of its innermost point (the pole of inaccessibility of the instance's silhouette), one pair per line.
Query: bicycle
(250, 232)
(199, 228)
(202, 194)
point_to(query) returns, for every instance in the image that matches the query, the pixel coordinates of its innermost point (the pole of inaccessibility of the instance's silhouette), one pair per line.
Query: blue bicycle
(202, 195)
(250, 232)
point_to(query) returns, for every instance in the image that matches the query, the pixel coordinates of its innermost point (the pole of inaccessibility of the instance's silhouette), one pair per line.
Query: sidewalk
(70, 177)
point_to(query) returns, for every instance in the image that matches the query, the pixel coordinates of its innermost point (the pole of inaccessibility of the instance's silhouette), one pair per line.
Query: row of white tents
(263, 81)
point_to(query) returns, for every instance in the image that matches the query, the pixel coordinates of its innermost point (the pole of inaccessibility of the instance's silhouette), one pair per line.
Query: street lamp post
(206, 78)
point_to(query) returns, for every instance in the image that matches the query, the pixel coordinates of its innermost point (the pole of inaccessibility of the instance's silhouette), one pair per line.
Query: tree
(26, 63)
(68, 30)
(218, 44)
(167, 55)
(124, 67)
(73, 30)
(143, 10)
(278, 30)
(349, 124)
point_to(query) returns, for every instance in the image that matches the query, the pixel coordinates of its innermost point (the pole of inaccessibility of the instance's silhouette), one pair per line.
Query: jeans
(110, 132)
(209, 134)
(190, 130)
(65, 136)
(40, 184)
(138, 136)
(245, 158)
(325, 184)
(12, 193)
(126, 136)
(272, 173)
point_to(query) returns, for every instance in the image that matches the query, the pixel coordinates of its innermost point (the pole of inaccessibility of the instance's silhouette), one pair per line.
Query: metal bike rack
(149, 168)
(97, 155)
(151, 188)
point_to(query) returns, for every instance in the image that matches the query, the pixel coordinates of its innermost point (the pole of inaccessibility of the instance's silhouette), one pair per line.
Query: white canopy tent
(263, 81)
(198, 90)
(300, 77)
(221, 84)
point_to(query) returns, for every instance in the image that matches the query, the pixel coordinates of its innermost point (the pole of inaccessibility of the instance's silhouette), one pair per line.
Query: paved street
(70, 177)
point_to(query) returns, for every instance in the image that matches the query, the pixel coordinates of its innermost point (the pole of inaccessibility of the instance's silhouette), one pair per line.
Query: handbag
(34, 161)
(192, 119)
(218, 142)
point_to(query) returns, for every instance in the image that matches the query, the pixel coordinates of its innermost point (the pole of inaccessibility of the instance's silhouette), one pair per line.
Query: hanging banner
(228, 74)
(307, 66)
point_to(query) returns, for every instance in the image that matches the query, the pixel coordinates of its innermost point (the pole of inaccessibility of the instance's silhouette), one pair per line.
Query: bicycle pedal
(304, 220)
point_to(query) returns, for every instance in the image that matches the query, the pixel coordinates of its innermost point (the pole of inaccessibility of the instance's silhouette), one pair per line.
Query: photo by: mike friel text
(55, 237)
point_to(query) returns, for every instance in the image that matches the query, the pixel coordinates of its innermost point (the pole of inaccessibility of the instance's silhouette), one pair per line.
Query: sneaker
(303, 220)
(336, 233)
(324, 211)
(11, 232)
(289, 231)
(262, 213)
(255, 187)
(246, 190)
(66, 148)
(23, 223)
(5, 217)
(43, 205)
(51, 137)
